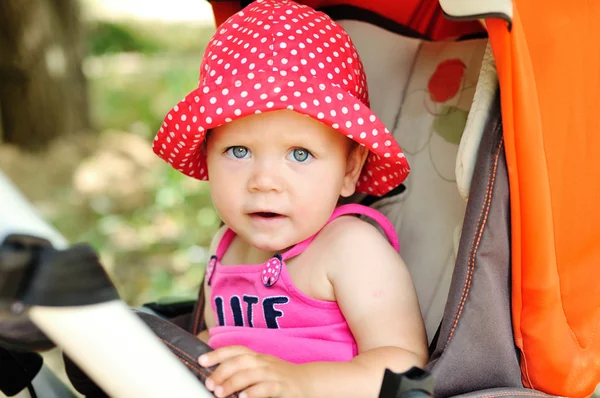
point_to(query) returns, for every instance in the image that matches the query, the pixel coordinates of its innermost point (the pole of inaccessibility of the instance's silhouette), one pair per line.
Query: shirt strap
(222, 247)
(385, 224)
(224, 243)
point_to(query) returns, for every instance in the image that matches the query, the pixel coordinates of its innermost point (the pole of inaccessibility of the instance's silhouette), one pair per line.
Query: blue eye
(238, 152)
(300, 155)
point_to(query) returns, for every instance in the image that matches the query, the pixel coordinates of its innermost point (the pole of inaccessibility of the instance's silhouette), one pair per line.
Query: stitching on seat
(481, 222)
(193, 368)
(180, 351)
(191, 364)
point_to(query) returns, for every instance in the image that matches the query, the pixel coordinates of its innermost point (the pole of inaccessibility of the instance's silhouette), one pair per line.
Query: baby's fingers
(222, 354)
(251, 381)
(231, 369)
(267, 389)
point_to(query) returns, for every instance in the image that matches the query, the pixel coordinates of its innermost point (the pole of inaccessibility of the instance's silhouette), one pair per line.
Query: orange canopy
(549, 72)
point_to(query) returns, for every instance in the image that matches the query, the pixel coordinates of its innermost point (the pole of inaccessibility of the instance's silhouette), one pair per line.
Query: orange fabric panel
(549, 72)
(423, 16)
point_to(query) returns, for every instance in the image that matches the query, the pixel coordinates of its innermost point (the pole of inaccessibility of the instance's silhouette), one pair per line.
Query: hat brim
(184, 128)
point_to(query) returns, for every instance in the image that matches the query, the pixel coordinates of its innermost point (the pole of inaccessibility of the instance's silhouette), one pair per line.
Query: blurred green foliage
(109, 37)
(158, 241)
(151, 224)
(137, 71)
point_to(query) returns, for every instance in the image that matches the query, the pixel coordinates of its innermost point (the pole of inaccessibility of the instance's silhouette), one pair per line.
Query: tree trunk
(43, 91)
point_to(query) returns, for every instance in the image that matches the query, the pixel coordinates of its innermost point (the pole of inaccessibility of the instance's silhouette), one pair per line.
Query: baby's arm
(209, 317)
(377, 297)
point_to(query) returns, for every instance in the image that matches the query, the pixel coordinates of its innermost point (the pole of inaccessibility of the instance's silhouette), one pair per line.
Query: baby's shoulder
(351, 237)
(348, 246)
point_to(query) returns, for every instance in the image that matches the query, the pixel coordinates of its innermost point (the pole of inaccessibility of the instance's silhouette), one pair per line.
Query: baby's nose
(266, 177)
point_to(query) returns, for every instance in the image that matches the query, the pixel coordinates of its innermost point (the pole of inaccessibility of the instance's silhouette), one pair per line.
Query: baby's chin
(272, 247)
(273, 241)
(273, 244)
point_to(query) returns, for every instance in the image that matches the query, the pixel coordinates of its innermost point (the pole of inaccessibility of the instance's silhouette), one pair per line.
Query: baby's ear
(356, 160)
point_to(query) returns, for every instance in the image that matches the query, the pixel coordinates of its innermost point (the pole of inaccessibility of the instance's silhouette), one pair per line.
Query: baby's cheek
(226, 205)
(313, 213)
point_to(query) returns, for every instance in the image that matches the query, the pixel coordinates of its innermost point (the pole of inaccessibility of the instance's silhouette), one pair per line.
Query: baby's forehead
(282, 118)
(281, 124)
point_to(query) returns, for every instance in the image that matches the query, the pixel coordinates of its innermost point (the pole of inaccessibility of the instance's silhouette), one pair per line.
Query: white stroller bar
(117, 351)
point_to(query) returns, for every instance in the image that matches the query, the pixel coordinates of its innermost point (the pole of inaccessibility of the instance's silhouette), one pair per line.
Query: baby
(306, 300)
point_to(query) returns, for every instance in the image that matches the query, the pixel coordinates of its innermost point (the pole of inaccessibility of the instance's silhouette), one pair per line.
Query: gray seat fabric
(475, 350)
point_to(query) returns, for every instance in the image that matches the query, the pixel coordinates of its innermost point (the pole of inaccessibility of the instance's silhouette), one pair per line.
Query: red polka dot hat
(277, 54)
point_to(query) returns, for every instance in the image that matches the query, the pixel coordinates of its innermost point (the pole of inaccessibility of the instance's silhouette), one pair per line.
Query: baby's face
(276, 177)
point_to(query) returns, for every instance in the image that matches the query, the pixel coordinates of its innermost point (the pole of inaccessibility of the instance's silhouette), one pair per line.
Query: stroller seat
(423, 91)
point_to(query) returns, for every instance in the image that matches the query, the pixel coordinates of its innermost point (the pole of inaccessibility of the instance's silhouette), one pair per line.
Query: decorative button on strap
(210, 269)
(272, 270)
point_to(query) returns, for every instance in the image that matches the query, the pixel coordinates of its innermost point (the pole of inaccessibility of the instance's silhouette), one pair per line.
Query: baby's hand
(255, 375)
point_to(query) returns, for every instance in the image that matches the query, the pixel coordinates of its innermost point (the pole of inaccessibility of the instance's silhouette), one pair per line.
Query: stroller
(496, 218)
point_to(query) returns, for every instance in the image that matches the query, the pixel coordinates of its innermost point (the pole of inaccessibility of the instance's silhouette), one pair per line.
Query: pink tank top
(259, 307)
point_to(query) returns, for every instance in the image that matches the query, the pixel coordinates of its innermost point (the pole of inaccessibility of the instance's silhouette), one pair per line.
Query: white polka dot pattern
(277, 54)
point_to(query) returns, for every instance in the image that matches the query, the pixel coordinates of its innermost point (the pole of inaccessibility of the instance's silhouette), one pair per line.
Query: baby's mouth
(265, 214)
